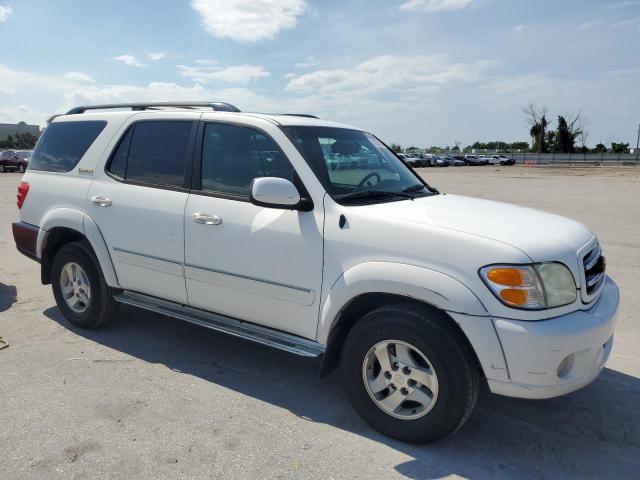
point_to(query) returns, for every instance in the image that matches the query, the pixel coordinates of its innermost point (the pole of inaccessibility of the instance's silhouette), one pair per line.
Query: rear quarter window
(62, 145)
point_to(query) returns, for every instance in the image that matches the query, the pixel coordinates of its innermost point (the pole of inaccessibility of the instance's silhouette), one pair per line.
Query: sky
(414, 72)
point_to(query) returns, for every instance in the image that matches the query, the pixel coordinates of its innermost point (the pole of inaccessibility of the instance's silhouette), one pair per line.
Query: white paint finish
(275, 191)
(482, 336)
(534, 350)
(404, 279)
(250, 286)
(148, 222)
(93, 234)
(281, 247)
(265, 265)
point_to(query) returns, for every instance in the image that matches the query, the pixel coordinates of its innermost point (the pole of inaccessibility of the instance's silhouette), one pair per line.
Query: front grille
(594, 272)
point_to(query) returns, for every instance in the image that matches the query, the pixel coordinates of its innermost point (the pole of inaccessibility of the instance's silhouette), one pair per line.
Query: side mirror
(274, 192)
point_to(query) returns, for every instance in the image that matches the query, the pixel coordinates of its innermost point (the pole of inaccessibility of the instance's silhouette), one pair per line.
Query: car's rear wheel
(21, 168)
(409, 373)
(2, 168)
(80, 290)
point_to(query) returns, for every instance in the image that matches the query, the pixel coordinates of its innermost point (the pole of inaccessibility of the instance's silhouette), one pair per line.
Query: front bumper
(553, 357)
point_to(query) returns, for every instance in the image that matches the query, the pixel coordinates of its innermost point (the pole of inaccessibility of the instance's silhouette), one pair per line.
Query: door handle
(101, 201)
(206, 218)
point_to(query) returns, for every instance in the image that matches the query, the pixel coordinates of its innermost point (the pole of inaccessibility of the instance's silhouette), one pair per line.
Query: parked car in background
(14, 160)
(458, 161)
(502, 160)
(438, 161)
(484, 160)
(473, 160)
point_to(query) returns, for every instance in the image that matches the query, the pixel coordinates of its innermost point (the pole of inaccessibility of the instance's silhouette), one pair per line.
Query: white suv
(237, 222)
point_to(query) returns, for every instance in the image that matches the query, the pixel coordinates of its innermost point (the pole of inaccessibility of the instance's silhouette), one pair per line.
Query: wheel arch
(64, 225)
(370, 285)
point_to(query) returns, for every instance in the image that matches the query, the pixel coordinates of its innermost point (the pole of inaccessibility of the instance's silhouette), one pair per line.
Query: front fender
(425, 285)
(429, 286)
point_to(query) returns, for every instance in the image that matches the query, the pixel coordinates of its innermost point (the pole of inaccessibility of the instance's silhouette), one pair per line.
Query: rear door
(259, 264)
(138, 203)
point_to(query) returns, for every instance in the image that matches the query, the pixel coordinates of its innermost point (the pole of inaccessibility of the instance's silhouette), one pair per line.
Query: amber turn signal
(509, 277)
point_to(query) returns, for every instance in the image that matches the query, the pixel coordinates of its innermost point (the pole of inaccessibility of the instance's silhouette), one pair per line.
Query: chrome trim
(594, 256)
(232, 326)
(594, 280)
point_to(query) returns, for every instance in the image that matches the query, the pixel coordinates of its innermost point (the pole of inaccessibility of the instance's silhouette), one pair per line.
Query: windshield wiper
(375, 193)
(414, 188)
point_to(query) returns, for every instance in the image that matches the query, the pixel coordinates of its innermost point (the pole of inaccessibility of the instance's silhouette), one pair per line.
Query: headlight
(531, 287)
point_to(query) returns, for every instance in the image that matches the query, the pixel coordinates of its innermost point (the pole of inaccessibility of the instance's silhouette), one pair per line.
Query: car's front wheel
(80, 290)
(409, 373)
(2, 168)
(21, 168)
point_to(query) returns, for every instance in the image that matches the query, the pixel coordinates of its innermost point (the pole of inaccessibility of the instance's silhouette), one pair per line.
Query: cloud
(79, 77)
(435, 5)
(235, 74)
(310, 61)
(626, 23)
(588, 25)
(248, 21)
(519, 28)
(155, 56)
(129, 60)
(620, 5)
(5, 12)
(389, 72)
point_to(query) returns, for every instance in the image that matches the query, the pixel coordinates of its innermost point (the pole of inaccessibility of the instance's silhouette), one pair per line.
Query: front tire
(409, 373)
(22, 169)
(80, 290)
(2, 168)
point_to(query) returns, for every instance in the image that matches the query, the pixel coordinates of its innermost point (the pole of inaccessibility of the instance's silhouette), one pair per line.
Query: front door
(259, 264)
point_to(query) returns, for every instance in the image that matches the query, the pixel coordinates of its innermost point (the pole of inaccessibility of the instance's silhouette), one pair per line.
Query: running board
(238, 328)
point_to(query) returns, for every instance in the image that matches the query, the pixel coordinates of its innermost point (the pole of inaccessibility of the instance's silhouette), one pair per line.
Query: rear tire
(80, 290)
(436, 352)
(22, 169)
(2, 169)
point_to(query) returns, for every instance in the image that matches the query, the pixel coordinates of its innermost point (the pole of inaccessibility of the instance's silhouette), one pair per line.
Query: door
(138, 204)
(259, 264)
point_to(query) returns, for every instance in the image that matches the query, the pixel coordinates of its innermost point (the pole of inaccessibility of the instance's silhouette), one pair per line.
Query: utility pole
(638, 144)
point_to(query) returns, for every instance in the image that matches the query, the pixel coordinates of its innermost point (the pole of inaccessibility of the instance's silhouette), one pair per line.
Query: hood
(541, 236)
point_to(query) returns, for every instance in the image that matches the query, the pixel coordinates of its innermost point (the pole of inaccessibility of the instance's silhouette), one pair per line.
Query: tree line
(569, 136)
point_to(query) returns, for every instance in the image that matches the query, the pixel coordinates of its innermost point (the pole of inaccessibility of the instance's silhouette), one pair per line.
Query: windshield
(355, 166)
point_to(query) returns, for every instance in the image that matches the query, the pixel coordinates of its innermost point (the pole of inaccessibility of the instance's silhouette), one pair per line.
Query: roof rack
(216, 106)
(306, 115)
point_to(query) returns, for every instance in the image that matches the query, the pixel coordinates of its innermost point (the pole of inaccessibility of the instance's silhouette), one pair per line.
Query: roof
(116, 111)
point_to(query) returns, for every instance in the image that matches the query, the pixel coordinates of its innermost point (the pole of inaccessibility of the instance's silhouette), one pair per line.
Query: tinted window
(233, 156)
(63, 144)
(158, 152)
(119, 158)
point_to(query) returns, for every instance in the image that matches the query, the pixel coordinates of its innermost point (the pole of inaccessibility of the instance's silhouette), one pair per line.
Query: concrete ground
(151, 397)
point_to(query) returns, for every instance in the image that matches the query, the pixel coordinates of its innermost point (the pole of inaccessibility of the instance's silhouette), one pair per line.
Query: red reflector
(23, 189)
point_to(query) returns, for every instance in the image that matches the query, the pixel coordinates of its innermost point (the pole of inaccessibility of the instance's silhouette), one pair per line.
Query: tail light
(23, 189)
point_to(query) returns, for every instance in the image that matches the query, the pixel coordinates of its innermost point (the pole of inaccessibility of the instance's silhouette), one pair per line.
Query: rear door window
(154, 152)
(63, 144)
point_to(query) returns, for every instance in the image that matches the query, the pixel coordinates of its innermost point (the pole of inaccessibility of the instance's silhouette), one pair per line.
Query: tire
(444, 351)
(2, 168)
(21, 168)
(101, 306)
